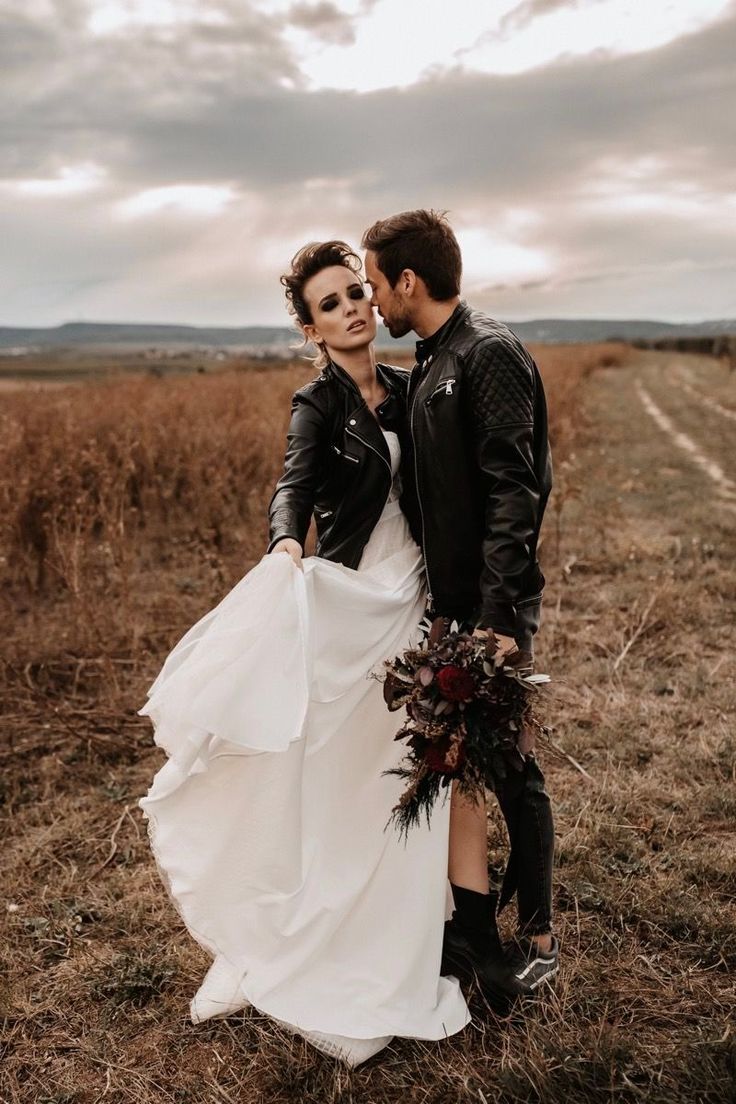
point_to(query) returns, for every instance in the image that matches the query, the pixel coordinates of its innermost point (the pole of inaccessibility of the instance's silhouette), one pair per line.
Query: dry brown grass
(129, 508)
(92, 475)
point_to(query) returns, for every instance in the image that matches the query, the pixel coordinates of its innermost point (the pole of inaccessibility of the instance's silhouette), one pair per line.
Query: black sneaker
(530, 966)
(486, 966)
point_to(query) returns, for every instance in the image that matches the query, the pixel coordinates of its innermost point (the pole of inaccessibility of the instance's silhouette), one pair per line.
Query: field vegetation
(128, 507)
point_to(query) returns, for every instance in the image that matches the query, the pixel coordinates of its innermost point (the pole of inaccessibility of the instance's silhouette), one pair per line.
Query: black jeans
(527, 811)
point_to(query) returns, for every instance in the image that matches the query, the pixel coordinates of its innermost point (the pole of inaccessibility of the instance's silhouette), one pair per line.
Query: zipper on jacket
(430, 599)
(380, 457)
(446, 386)
(322, 514)
(345, 456)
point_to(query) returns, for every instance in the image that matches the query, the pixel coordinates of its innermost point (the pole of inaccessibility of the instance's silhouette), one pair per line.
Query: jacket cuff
(499, 616)
(284, 536)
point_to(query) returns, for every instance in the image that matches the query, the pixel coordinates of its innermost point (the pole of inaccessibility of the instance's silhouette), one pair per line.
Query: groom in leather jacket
(476, 476)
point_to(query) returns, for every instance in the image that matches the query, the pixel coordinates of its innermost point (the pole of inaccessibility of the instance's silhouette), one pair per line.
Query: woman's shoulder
(314, 399)
(315, 391)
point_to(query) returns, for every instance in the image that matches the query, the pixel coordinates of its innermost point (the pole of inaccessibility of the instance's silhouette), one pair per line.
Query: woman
(269, 821)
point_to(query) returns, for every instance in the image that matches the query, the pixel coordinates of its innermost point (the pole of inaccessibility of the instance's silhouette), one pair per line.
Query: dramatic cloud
(403, 43)
(325, 21)
(163, 160)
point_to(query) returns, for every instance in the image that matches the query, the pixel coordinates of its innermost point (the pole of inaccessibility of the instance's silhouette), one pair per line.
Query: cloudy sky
(161, 160)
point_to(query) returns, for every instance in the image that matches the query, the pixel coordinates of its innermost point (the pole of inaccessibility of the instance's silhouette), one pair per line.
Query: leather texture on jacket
(337, 463)
(478, 472)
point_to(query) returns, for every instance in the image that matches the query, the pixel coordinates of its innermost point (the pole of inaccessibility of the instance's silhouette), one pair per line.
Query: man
(476, 474)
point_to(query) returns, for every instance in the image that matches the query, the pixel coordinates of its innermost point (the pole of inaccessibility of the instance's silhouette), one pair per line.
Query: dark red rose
(455, 683)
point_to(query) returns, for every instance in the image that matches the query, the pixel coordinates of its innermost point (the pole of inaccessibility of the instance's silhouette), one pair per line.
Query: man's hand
(293, 547)
(506, 646)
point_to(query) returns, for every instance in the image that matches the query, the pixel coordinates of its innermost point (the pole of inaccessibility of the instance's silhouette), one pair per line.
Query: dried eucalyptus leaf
(438, 630)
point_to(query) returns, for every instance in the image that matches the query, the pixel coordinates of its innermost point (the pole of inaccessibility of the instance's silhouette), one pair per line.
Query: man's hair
(422, 241)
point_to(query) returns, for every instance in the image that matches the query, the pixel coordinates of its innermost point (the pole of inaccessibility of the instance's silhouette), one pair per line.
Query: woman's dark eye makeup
(354, 293)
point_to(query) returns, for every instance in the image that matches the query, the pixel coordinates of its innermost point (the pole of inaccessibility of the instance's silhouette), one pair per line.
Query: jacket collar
(429, 346)
(334, 371)
(359, 418)
(453, 323)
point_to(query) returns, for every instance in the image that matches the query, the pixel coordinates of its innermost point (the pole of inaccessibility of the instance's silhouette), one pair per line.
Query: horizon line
(286, 325)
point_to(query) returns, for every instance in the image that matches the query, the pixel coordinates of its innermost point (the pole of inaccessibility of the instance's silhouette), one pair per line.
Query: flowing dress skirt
(269, 821)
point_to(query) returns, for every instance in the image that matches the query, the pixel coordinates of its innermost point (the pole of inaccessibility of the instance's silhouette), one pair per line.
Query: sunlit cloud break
(500, 37)
(188, 199)
(70, 180)
(111, 16)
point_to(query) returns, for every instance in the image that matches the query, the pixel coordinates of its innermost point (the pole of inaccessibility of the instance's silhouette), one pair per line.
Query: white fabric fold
(269, 820)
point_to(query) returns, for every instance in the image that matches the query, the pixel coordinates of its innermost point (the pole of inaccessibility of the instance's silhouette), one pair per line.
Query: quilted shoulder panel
(500, 383)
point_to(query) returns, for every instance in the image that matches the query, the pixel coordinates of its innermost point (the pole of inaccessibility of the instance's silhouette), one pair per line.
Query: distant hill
(106, 334)
(263, 338)
(583, 330)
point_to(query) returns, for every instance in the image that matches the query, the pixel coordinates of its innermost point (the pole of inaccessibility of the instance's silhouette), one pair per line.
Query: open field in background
(129, 507)
(55, 367)
(100, 479)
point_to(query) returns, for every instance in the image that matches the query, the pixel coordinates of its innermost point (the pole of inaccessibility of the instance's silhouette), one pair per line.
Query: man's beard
(397, 326)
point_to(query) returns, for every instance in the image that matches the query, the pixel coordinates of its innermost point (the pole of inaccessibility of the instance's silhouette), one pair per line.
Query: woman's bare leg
(468, 853)
(468, 857)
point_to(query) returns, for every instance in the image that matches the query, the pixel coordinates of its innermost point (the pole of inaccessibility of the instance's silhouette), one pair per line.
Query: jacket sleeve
(500, 393)
(291, 506)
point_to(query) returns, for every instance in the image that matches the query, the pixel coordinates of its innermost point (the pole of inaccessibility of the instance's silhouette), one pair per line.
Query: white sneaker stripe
(536, 962)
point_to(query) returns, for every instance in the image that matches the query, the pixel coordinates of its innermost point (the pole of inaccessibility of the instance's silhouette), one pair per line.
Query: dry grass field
(129, 506)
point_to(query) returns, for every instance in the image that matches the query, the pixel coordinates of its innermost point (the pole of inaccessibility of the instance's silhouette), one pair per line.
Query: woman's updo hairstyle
(305, 264)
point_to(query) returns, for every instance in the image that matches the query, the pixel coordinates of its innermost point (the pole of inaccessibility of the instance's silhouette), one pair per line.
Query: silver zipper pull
(448, 388)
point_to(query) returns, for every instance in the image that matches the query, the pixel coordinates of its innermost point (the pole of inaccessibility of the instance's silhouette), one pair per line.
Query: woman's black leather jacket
(337, 463)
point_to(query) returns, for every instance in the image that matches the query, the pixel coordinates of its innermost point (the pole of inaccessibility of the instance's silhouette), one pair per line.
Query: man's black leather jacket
(478, 472)
(337, 463)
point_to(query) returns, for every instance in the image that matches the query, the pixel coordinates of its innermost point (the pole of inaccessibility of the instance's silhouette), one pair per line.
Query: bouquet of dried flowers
(469, 718)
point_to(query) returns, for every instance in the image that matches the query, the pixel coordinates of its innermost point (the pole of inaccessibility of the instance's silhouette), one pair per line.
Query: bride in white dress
(269, 820)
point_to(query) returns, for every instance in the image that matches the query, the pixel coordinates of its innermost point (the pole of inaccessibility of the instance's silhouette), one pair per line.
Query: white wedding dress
(269, 821)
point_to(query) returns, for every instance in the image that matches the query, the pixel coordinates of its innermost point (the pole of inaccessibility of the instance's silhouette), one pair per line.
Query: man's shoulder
(482, 338)
(483, 331)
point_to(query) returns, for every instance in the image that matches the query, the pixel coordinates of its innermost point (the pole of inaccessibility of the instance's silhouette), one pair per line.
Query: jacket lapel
(358, 418)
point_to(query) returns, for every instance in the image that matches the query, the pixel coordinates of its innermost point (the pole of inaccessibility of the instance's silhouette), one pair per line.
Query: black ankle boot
(472, 951)
(475, 915)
